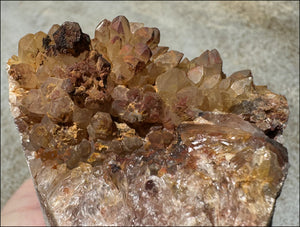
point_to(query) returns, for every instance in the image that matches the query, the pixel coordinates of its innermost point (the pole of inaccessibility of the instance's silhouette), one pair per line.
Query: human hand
(23, 208)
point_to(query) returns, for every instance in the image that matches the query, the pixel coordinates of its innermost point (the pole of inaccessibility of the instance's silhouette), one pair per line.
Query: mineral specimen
(118, 130)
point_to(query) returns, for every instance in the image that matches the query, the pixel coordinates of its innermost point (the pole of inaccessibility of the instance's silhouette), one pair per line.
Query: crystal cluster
(118, 130)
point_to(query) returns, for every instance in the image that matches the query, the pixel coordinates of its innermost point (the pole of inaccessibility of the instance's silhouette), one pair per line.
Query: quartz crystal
(118, 130)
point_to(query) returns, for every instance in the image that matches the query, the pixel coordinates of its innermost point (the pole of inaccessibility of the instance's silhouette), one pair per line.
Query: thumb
(23, 208)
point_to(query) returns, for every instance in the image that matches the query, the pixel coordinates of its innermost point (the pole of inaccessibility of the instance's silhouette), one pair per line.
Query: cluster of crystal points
(118, 130)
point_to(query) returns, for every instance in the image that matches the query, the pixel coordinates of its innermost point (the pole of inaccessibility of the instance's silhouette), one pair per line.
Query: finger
(23, 208)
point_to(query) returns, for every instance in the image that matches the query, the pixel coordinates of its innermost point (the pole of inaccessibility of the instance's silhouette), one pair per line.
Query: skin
(23, 208)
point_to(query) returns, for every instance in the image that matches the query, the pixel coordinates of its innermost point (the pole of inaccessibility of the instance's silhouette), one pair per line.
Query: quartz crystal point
(118, 130)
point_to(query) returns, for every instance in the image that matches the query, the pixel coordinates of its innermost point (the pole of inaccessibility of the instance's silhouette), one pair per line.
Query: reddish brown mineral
(118, 130)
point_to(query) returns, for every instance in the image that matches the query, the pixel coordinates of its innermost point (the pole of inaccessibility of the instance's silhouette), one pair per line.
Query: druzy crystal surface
(118, 130)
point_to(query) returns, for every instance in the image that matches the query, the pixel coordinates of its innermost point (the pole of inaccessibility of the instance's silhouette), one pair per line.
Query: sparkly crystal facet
(118, 130)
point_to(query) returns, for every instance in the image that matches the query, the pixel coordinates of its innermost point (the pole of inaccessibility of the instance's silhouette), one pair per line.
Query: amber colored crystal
(118, 130)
